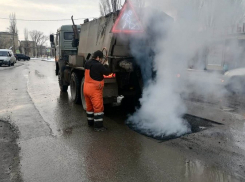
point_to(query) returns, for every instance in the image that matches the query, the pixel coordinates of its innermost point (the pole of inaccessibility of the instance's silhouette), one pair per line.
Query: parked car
(22, 56)
(7, 57)
(235, 80)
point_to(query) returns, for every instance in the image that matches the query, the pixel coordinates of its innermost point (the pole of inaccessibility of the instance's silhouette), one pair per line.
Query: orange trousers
(93, 93)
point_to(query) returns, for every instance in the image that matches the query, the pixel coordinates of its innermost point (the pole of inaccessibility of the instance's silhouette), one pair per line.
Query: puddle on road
(39, 74)
(197, 124)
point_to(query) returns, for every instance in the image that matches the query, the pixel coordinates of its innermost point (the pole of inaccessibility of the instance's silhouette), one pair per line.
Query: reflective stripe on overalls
(93, 93)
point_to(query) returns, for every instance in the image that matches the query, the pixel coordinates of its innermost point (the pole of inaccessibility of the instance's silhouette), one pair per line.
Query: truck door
(57, 51)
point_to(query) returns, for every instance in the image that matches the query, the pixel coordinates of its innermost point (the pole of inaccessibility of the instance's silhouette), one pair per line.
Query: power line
(46, 20)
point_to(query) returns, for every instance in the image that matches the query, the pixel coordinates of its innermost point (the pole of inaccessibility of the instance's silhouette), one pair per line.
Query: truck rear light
(113, 75)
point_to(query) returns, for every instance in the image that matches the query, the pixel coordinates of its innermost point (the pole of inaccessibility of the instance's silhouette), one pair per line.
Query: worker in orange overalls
(93, 90)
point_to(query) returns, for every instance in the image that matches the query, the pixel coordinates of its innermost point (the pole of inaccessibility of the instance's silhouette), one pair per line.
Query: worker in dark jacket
(93, 90)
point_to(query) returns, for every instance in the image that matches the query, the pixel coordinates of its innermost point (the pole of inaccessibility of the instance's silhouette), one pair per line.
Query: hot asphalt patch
(196, 124)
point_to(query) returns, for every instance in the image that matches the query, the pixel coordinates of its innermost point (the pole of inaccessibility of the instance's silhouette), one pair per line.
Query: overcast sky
(46, 10)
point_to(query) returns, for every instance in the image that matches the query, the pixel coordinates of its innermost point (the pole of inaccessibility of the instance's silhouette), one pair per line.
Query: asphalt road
(57, 145)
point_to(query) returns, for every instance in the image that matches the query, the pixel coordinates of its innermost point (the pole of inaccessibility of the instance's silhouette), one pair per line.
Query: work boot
(101, 129)
(90, 123)
(90, 117)
(98, 122)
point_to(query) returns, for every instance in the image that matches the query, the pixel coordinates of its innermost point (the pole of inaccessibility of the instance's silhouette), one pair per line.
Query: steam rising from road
(197, 24)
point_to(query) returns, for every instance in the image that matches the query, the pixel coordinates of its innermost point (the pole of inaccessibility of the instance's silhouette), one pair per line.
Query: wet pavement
(9, 153)
(57, 145)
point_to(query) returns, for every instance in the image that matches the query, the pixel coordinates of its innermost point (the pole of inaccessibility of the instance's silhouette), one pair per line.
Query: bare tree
(40, 39)
(103, 9)
(13, 29)
(42, 48)
(108, 6)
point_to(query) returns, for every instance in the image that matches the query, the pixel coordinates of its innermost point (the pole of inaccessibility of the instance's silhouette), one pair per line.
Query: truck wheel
(57, 68)
(82, 96)
(75, 88)
(130, 103)
(63, 88)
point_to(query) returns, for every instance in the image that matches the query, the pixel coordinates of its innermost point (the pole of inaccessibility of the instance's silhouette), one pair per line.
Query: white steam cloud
(197, 25)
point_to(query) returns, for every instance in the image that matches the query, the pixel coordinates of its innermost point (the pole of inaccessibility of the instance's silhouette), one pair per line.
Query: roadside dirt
(9, 153)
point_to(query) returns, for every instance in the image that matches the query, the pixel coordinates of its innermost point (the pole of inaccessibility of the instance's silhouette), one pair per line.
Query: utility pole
(13, 43)
(19, 47)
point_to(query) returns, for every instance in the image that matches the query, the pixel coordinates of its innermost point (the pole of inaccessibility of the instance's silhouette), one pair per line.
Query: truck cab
(62, 43)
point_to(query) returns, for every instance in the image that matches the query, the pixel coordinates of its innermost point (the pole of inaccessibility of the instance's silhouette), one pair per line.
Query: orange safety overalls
(93, 93)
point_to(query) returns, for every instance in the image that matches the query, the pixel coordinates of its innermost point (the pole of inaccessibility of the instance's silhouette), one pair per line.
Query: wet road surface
(57, 145)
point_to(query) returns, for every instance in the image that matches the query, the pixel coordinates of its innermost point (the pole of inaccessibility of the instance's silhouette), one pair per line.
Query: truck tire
(131, 103)
(57, 68)
(82, 95)
(63, 88)
(75, 87)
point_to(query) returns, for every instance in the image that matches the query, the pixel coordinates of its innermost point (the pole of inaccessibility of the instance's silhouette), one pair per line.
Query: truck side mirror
(88, 56)
(52, 45)
(51, 37)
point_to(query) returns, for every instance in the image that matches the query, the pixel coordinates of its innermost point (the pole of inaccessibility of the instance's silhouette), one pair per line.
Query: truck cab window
(68, 35)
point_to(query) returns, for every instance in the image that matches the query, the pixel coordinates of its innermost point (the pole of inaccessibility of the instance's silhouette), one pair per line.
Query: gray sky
(46, 9)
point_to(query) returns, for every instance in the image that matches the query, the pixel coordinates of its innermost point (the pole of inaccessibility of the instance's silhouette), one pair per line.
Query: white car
(7, 57)
(235, 80)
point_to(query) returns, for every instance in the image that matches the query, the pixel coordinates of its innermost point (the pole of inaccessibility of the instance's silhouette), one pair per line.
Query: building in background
(224, 51)
(41, 51)
(8, 40)
(28, 48)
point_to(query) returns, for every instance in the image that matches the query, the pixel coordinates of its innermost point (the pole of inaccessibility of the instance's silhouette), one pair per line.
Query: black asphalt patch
(9, 153)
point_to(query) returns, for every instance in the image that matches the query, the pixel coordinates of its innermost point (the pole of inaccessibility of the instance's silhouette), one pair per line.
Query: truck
(113, 33)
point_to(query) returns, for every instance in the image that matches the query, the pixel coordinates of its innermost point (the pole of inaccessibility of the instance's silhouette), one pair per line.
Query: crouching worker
(93, 90)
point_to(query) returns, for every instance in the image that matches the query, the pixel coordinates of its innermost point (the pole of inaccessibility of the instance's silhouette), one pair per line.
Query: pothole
(197, 124)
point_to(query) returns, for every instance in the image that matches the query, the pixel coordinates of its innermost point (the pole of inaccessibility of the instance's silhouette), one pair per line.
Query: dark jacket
(97, 70)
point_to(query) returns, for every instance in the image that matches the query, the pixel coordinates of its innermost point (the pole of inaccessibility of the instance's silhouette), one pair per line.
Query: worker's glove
(106, 63)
